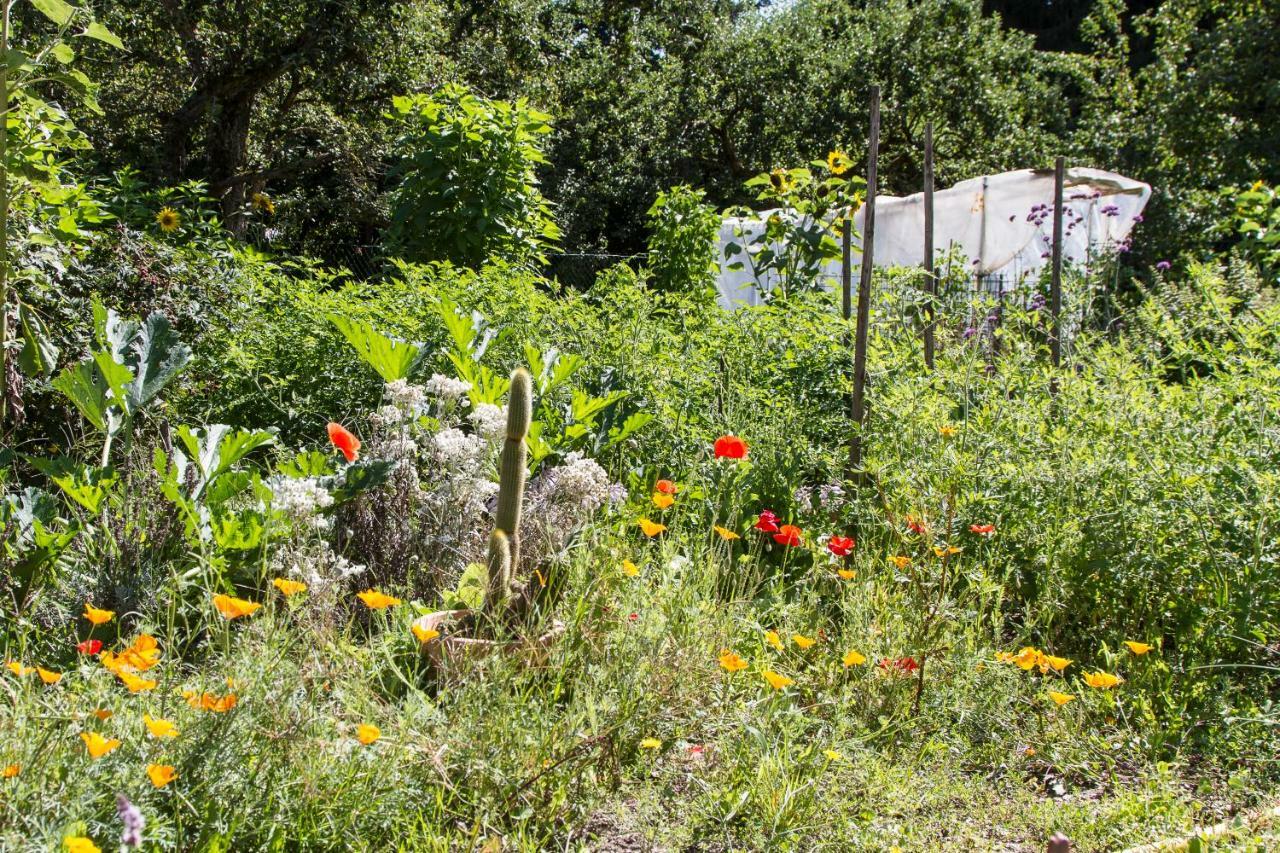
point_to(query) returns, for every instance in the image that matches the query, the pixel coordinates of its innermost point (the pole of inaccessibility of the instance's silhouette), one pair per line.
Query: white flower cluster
(456, 449)
(446, 388)
(579, 482)
(489, 420)
(406, 396)
(301, 499)
(315, 565)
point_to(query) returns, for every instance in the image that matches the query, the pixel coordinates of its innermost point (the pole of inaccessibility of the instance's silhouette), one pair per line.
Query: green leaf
(309, 463)
(86, 485)
(391, 357)
(102, 34)
(158, 356)
(39, 354)
(55, 10)
(85, 387)
(63, 53)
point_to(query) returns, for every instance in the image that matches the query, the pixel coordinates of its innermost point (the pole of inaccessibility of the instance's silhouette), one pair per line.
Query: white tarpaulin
(1002, 225)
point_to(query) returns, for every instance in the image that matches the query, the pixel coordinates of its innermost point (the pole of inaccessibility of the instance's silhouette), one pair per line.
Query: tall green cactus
(504, 544)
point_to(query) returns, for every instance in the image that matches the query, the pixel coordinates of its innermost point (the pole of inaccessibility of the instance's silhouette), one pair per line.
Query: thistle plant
(504, 543)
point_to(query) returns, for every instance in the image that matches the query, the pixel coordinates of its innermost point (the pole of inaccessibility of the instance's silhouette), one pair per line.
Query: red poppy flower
(633, 617)
(982, 529)
(767, 522)
(697, 749)
(666, 487)
(841, 546)
(89, 647)
(916, 525)
(344, 440)
(789, 535)
(906, 665)
(730, 447)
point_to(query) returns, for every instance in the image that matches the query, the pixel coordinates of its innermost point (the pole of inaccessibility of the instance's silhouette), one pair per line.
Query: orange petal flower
(345, 441)
(731, 662)
(725, 533)
(11, 770)
(375, 600)
(367, 733)
(159, 727)
(96, 616)
(651, 528)
(234, 608)
(665, 487)
(288, 587)
(424, 635)
(776, 681)
(662, 500)
(97, 745)
(18, 669)
(161, 774)
(48, 676)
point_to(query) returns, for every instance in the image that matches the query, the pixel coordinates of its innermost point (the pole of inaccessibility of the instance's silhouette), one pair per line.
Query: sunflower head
(263, 203)
(838, 162)
(168, 220)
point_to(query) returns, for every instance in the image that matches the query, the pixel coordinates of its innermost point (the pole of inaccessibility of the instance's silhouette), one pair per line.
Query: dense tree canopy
(287, 97)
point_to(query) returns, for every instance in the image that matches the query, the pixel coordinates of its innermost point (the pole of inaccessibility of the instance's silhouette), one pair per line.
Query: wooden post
(858, 405)
(846, 274)
(931, 272)
(1055, 280)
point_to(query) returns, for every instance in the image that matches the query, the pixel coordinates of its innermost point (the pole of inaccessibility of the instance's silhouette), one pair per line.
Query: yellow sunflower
(168, 220)
(838, 162)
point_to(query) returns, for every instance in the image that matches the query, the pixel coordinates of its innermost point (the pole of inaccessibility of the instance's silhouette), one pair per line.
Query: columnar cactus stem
(499, 571)
(511, 479)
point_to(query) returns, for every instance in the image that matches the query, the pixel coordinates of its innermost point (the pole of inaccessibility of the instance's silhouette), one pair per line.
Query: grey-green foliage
(133, 363)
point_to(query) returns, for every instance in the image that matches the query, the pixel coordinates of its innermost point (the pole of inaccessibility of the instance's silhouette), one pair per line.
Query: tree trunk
(228, 148)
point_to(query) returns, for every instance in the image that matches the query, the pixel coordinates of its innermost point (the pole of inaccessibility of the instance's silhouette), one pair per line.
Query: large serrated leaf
(39, 354)
(85, 387)
(392, 358)
(156, 357)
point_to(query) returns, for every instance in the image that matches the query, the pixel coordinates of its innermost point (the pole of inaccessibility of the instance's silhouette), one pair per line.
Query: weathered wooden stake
(1055, 279)
(858, 405)
(931, 271)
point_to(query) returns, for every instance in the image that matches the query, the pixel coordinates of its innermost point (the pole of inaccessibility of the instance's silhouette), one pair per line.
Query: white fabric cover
(994, 221)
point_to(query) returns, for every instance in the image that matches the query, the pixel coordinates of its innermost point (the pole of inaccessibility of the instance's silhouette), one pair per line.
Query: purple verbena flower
(133, 821)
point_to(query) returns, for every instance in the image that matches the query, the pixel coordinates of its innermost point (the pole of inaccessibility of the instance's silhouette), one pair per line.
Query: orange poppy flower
(367, 733)
(234, 608)
(161, 774)
(662, 500)
(731, 662)
(666, 487)
(11, 770)
(345, 440)
(96, 616)
(788, 535)
(97, 745)
(982, 529)
(375, 600)
(288, 587)
(651, 528)
(730, 447)
(725, 533)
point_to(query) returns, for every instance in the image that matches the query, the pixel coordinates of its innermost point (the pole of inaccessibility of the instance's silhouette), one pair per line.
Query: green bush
(466, 187)
(682, 240)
